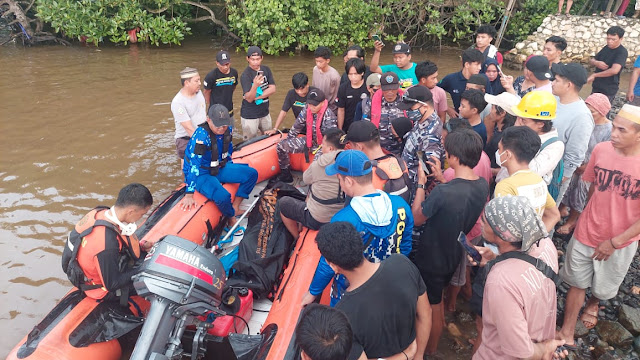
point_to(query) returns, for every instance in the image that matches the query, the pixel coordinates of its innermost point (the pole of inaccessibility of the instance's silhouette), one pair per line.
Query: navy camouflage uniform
(389, 112)
(425, 136)
(294, 144)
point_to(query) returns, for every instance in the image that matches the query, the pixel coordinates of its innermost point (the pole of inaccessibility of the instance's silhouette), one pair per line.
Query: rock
(581, 330)
(636, 344)
(609, 355)
(600, 348)
(635, 290)
(520, 46)
(614, 333)
(630, 319)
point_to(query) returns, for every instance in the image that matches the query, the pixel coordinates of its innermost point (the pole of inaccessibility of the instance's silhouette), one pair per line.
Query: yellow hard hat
(539, 105)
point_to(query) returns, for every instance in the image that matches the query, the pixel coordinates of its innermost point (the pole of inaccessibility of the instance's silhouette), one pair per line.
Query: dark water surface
(78, 123)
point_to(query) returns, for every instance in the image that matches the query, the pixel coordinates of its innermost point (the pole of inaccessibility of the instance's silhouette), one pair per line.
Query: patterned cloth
(513, 219)
(517, 86)
(390, 111)
(425, 136)
(294, 144)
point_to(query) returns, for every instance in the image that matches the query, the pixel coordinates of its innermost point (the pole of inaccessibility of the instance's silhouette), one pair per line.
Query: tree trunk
(30, 30)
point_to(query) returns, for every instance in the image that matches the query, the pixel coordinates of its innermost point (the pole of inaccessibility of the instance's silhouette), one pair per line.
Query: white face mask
(126, 230)
(498, 155)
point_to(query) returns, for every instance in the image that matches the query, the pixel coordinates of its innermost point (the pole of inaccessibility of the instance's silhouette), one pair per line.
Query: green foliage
(100, 19)
(281, 25)
(525, 21)
(471, 14)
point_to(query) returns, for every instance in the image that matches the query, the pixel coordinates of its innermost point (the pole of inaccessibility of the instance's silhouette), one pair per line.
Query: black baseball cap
(219, 115)
(315, 97)
(413, 95)
(478, 79)
(401, 48)
(254, 50)
(389, 81)
(573, 72)
(223, 57)
(362, 131)
(539, 66)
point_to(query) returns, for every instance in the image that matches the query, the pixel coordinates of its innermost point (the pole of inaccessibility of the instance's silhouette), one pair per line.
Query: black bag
(481, 278)
(266, 245)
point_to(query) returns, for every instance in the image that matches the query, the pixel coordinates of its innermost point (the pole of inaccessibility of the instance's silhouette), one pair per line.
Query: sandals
(589, 319)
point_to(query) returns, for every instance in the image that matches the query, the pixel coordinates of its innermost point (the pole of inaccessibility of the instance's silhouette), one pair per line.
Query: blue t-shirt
(407, 77)
(636, 89)
(482, 131)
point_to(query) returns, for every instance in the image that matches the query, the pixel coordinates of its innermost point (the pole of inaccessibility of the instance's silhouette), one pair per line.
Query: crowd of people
(409, 194)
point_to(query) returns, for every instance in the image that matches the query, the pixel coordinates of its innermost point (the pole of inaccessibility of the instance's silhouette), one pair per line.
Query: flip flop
(589, 319)
(573, 347)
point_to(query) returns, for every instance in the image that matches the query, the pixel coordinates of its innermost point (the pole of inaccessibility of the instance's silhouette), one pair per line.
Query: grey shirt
(188, 109)
(574, 123)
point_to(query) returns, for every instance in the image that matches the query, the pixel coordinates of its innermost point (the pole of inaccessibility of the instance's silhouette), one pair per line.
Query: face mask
(126, 230)
(414, 115)
(498, 155)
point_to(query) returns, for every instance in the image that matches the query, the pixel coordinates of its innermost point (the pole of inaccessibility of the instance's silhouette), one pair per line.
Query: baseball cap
(219, 115)
(573, 72)
(315, 97)
(362, 131)
(373, 80)
(389, 81)
(223, 57)
(413, 95)
(350, 163)
(478, 79)
(401, 48)
(539, 66)
(254, 50)
(505, 100)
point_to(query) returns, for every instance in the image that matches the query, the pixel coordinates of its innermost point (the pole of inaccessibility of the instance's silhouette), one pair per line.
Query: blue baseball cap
(350, 163)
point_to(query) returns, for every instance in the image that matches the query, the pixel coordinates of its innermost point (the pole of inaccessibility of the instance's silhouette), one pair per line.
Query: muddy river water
(78, 123)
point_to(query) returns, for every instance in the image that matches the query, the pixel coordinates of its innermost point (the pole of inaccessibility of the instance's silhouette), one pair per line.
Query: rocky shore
(585, 36)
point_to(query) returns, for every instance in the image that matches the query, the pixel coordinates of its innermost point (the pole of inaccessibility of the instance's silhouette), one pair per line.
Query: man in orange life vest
(382, 107)
(314, 119)
(106, 253)
(389, 171)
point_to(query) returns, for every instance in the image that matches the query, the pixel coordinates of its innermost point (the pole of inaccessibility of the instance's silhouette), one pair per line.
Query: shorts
(603, 277)
(435, 284)
(250, 126)
(296, 210)
(181, 146)
(636, 98)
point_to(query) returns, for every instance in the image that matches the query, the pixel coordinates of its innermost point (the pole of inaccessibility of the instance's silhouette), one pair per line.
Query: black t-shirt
(253, 110)
(348, 98)
(609, 85)
(382, 311)
(294, 102)
(222, 87)
(450, 208)
(345, 78)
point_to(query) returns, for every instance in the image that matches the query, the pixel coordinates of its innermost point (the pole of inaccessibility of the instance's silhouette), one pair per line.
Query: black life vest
(201, 149)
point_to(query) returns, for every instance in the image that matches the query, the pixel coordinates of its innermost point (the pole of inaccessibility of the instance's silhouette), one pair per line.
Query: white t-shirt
(188, 109)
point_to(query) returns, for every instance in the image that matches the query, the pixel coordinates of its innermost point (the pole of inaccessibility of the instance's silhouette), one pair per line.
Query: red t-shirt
(615, 203)
(519, 306)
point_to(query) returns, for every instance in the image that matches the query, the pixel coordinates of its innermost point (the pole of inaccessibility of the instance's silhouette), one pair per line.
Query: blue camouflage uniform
(425, 136)
(198, 178)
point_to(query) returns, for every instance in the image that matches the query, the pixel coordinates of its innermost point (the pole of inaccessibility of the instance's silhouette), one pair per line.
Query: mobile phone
(260, 73)
(500, 70)
(475, 255)
(426, 167)
(377, 37)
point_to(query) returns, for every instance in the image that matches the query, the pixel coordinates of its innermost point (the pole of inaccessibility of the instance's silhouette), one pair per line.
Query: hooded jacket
(384, 221)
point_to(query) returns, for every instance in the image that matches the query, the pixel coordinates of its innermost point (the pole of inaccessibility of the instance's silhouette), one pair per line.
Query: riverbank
(585, 36)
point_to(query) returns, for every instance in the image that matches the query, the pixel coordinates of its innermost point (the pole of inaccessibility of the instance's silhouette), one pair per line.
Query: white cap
(505, 100)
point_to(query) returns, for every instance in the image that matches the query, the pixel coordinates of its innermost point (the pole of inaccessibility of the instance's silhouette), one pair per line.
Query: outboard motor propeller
(182, 281)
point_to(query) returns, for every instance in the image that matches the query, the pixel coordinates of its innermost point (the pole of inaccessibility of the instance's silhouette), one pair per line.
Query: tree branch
(212, 17)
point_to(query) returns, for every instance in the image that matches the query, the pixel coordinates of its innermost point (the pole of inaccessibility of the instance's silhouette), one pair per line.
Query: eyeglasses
(408, 99)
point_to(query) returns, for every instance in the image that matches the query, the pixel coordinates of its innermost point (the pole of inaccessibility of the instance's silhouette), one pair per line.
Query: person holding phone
(257, 85)
(402, 65)
(449, 209)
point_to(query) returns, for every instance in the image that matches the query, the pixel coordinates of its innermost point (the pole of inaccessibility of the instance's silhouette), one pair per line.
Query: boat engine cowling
(182, 272)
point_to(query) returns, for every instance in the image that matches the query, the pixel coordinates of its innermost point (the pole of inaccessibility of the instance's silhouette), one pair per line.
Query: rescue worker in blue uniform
(207, 164)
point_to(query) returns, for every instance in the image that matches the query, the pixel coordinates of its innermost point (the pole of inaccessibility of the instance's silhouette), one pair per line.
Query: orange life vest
(390, 174)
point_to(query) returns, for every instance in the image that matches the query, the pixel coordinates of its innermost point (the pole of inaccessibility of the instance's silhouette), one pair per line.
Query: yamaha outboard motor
(182, 281)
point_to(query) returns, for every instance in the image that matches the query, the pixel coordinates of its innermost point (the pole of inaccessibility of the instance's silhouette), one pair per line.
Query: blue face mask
(414, 115)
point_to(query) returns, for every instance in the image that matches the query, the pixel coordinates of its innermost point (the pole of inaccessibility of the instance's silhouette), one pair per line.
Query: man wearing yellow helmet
(536, 111)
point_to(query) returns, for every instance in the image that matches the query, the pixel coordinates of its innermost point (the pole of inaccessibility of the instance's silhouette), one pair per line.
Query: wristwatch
(422, 186)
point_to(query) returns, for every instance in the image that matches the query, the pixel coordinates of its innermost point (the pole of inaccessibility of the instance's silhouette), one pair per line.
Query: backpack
(558, 172)
(391, 178)
(481, 277)
(70, 264)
